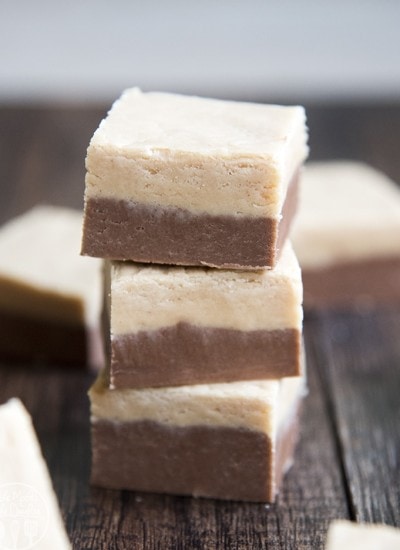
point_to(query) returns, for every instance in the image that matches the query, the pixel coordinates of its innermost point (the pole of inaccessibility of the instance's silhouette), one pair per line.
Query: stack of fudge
(190, 202)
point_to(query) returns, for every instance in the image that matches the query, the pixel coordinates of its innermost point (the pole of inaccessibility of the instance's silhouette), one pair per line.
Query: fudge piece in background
(347, 236)
(50, 297)
(29, 513)
(346, 535)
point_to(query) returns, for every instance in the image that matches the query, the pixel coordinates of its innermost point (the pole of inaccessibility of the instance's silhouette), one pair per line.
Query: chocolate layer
(25, 339)
(226, 463)
(361, 284)
(188, 354)
(124, 230)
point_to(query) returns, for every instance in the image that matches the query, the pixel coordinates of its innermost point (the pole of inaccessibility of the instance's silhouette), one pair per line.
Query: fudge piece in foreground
(29, 513)
(192, 181)
(347, 236)
(50, 297)
(174, 325)
(229, 441)
(345, 535)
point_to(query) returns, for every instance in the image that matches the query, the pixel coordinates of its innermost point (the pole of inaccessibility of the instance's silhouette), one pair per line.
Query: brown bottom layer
(188, 354)
(225, 463)
(362, 284)
(34, 340)
(124, 230)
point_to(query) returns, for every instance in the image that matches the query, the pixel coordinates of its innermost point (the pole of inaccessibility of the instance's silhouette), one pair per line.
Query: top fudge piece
(347, 236)
(192, 181)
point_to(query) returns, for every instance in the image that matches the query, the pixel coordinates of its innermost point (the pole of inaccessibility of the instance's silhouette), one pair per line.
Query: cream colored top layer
(202, 155)
(345, 535)
(23, 471)
(348, 212)
(40, 264)
(151, 297)
(252, 405)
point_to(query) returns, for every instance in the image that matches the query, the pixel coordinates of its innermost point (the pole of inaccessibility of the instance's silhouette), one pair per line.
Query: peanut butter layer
(186, 180)
(229, 441)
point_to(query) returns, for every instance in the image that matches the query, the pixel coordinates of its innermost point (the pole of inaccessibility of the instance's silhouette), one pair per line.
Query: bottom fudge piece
(228, 441)
(29, 513)
(345, 535)
(50, 297)
(347, 236)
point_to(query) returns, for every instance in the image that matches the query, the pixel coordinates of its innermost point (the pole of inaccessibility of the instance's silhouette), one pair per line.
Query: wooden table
(347, 462)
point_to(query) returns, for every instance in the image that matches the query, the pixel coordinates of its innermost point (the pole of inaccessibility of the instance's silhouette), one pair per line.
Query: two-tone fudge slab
(29, 513)
(175, 325)
(50, 297)
(346, 535)
(229, 441)
(191, 181)
(347, 236)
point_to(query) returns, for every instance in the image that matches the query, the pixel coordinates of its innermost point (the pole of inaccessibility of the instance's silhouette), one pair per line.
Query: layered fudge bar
(192, 181)
(228, 441)
(29, 513)
(346, 535)
(347, 236)
(50, 297)
(175, 325)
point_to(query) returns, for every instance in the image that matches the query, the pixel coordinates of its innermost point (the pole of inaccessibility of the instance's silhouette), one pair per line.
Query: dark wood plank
(358, 357)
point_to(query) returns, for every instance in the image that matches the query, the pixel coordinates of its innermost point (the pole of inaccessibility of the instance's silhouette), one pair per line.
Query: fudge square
(30, 516)
(195, 325)
(347, 236)
(50, 297)
(229, 441)
(346, 535)
(192, 181)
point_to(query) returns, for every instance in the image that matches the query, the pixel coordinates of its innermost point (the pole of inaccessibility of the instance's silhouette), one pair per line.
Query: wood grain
(359, 363)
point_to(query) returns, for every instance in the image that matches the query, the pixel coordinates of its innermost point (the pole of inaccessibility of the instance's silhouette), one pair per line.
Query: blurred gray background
(304, 50)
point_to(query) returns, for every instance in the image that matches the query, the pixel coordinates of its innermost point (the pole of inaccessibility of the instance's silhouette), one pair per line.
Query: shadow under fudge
(358, 284)
(208, 355)
(124, 230)
(196, 460)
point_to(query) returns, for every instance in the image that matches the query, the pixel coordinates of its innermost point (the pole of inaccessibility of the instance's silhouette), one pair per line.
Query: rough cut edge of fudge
(347, 236)
(218, 191)
(343, 535)
(177, 326)
(227, 441)
(50, 297)
(29, 504)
